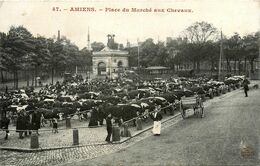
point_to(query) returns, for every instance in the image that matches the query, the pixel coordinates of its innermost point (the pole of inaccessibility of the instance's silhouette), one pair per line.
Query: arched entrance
(120, 66)
(101, 68)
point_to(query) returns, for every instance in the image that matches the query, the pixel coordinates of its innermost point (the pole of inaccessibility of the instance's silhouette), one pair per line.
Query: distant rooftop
(156, 68)
(109, 51)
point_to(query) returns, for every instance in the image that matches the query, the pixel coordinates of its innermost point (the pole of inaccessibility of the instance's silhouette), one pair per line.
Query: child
(55, 125)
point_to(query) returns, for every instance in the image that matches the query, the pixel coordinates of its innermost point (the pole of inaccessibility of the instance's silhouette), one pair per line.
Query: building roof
(111, 52)
(156, 68)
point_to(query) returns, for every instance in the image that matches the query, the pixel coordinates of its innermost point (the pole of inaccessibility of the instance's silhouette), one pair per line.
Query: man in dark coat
(245, 84)
(94, 118)
(28, 124)
(109, 127)
(101, 116)
(5, 124)
(21, 124)
(36, 121)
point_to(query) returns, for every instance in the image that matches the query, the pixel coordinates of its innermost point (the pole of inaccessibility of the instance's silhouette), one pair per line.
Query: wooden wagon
(194, 102)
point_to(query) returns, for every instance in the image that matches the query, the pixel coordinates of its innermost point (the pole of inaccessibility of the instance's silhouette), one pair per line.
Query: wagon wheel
(183, 111)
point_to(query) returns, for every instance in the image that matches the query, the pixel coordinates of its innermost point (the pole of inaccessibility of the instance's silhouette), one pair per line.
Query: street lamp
(138, 54)
(220, 59)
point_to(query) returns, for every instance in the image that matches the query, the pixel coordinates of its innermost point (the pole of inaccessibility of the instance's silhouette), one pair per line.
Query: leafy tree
(251, 46)
(234, 51)
(19, 42)
(133, 58)
(197, 35)
(85, 59)
(97, 46)
(161, 57)
(211, 52)
(148, 50)
(40, 56)
(174, 47)
(57, 58)
(71, 53)
(2, 54)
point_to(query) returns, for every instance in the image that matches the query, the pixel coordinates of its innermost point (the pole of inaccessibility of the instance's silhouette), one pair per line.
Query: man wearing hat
(245, 85)
(109, 127)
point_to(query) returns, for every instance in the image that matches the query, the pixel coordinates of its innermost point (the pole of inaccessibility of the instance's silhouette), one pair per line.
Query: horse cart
(195, 103)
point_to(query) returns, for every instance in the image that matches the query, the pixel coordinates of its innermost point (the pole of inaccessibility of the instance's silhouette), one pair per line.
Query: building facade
(109, 63)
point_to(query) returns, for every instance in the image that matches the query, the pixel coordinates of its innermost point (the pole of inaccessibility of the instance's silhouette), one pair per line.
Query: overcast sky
(240, 16)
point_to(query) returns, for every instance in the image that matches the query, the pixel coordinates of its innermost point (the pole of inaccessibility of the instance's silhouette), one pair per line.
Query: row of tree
(21, 51)
(199, 43)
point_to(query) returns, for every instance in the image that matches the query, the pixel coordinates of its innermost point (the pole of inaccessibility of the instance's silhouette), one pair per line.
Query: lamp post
(110, 68)
(220, 58)
(138, 55)
(258, 61)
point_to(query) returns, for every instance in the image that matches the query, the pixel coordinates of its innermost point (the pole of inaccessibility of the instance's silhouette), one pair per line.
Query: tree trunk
(211, 67)
(14, 79)
(17, 80)
(2, 77)
(239, 67)
(252, 66)
(52, 73)
(173, 67)
(198, 66)
(228, 66)
(27, 77)
(245, 66)
(36, 73)
(194, 65)
(235, 67)
(32, 78)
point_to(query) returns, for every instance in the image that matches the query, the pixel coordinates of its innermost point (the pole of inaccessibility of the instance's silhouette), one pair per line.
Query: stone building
(109, 63)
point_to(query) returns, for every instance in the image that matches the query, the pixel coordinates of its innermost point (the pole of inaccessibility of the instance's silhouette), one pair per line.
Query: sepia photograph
(129, 82)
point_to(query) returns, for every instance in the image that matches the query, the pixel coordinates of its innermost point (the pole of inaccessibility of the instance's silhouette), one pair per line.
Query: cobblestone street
(55, 157)
(63, 138)
(47, 139)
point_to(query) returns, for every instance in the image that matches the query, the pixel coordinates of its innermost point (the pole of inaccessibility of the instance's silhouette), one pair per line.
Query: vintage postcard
(129, 82)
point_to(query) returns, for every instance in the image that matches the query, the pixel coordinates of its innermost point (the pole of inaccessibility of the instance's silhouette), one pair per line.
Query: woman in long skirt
(156, 117)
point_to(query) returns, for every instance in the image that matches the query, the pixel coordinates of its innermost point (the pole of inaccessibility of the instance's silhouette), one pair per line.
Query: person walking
(109, 127)
(55, 125)
(156, 117)
(245, 84)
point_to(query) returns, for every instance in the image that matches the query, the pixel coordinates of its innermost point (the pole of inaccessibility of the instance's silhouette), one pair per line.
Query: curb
(28, 150)
(146, 129)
